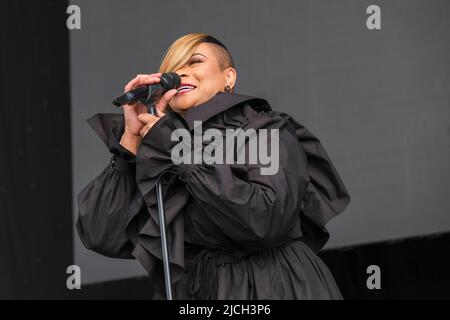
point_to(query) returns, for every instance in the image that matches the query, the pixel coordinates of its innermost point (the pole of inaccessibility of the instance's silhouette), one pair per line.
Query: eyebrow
(199, 54)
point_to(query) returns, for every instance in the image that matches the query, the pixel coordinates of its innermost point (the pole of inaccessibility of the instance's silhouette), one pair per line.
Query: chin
(182, 106)
(183, 103)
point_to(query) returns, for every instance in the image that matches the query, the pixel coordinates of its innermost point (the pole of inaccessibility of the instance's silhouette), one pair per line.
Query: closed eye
(195, 61)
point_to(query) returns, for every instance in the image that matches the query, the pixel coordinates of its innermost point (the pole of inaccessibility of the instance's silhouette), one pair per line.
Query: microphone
(145, 93)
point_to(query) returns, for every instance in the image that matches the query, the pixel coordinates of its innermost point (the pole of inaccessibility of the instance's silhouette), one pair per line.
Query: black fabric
(232, 232)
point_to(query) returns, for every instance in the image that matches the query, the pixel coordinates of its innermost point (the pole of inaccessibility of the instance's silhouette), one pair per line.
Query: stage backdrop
(377, 99)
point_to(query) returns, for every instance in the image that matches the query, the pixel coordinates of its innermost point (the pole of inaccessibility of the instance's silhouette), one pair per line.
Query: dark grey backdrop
(379, 100)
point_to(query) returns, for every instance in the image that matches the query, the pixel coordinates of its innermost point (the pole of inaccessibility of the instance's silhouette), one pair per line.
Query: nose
(181, 74)
(182, 71)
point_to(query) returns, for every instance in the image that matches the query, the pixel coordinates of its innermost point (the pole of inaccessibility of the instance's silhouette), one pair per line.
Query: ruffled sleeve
(255, 206)
(103, 212)
(153, 163)
(115, 221)
(326, 195)
(104, 204)
(110, 127)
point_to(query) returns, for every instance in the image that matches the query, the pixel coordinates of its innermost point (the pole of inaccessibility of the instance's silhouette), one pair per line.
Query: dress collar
(221, 102)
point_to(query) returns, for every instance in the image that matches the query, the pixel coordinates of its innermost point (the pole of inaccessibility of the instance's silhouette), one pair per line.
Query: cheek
(212, 83)
(211, 78)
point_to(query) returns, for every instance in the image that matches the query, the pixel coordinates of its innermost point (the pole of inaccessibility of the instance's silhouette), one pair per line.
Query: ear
(230, 77)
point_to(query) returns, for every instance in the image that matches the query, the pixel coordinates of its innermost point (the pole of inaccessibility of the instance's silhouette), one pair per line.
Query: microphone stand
(162, 219)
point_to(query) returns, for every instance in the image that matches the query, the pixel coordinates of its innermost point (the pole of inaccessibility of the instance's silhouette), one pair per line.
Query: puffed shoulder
(326, 194)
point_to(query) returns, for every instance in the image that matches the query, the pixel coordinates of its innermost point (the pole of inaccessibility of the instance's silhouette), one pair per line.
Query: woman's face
(202, 71)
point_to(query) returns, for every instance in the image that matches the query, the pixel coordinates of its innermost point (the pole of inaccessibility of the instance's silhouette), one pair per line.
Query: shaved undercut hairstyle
(184, 47)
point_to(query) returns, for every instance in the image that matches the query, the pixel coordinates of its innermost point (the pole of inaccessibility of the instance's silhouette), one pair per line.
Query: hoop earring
(227, 89)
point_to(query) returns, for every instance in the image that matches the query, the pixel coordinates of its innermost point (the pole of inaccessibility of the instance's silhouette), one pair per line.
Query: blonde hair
(184, 47)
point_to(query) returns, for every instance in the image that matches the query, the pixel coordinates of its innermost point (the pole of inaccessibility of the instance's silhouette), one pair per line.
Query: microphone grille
(170, 81)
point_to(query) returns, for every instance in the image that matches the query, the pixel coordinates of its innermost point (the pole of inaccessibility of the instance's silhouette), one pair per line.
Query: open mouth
(184, 88)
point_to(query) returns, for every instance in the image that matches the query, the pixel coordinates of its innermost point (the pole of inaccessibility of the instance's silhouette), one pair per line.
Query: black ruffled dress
(233, 233)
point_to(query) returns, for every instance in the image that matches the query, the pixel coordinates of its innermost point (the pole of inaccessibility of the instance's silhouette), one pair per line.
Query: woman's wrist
(130, 142)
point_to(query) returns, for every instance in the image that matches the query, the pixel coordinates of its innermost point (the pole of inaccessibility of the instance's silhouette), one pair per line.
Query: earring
(227, 88)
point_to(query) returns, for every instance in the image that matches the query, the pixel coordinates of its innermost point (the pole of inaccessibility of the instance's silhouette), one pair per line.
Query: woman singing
(234, 231)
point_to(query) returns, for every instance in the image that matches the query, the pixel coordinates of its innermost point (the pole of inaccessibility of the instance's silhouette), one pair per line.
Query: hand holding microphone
(149, 92)
(137, 119)
(157, 87)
